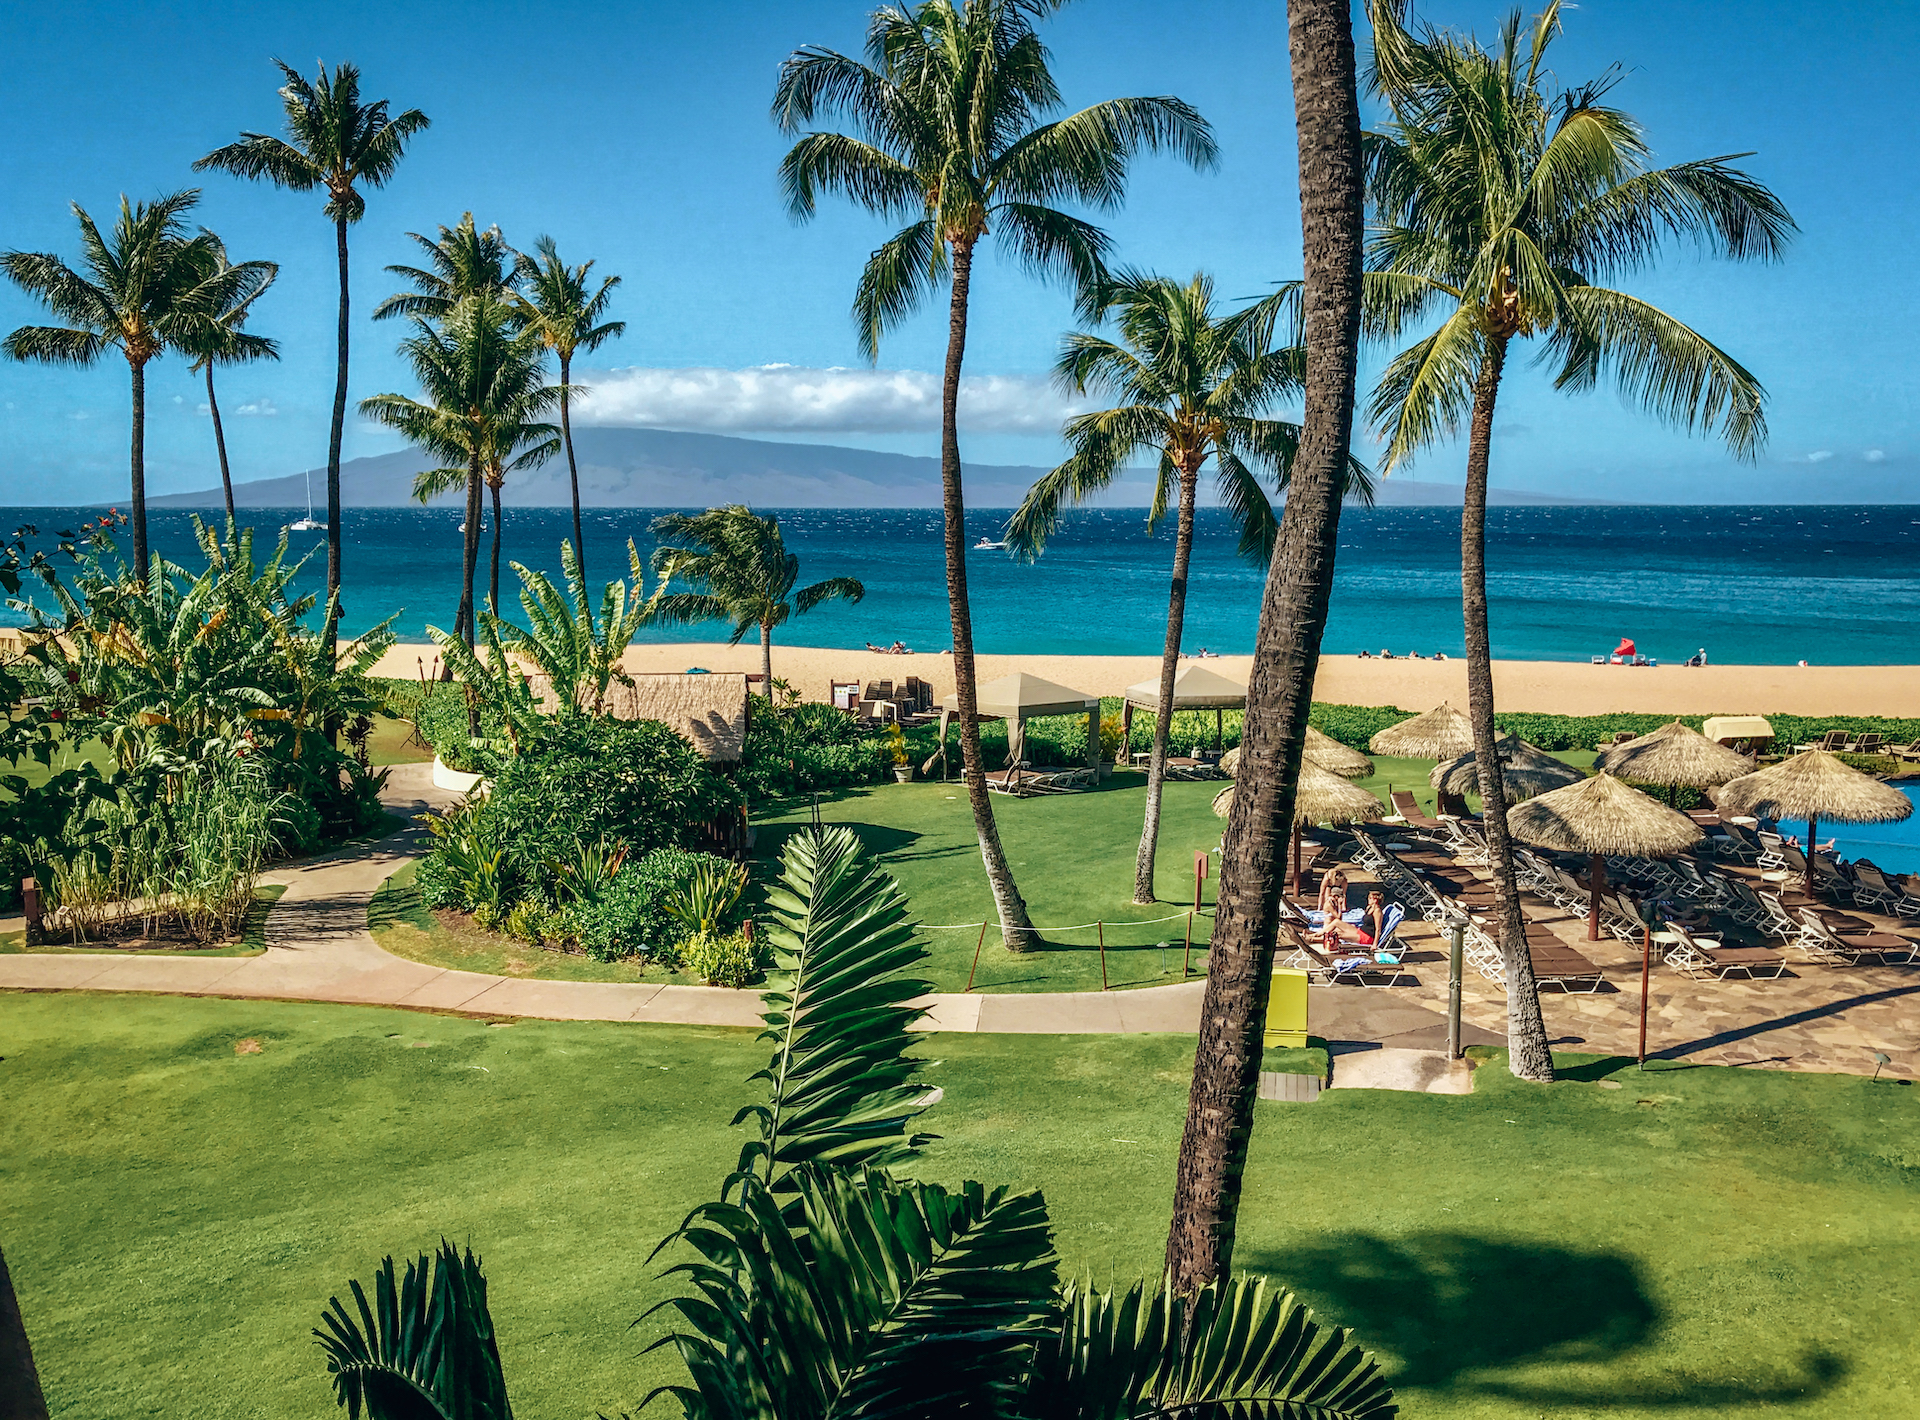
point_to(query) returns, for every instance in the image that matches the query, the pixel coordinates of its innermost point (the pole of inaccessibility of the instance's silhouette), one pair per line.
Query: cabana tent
(1745, 734)
(1194, 688)
(1021, 697)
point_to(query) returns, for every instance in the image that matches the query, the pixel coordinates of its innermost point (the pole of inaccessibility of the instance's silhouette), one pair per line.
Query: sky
(638, 135)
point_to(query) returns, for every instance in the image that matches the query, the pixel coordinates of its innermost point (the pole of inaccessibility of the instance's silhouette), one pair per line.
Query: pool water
(1894, 847)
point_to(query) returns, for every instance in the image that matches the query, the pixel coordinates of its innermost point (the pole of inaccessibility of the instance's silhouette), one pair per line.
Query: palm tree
(462, 262)
(1501, 201)
(1197, 385)
(580, 658)
(20, 1394)
(947, 113)
(740, 569)
(336, 142)
(484, 390)
(555, 300)
(222, 341)
(1293, 614)
(145, 290)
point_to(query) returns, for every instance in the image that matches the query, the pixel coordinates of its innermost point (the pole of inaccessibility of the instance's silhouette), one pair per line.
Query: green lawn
(1700, 1243)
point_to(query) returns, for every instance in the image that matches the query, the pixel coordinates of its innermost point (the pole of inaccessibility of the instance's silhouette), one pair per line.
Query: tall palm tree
(221, 340)
(20, 1395)
(1197, 385)
(462, 261)
(947, 117)
(1502, 200)
(1293, 614)
(147, 287)
(556, 300)
(740, 570)
(336, 142)
(482, 379)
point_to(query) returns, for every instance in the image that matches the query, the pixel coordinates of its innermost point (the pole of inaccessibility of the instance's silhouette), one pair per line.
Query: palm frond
(1428, 388)
(901, 273)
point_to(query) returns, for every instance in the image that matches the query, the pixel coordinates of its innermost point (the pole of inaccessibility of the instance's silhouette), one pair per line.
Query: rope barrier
(1081, 927)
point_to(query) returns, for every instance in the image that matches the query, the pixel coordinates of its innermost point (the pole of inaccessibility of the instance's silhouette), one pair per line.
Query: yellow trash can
(1287, 1011)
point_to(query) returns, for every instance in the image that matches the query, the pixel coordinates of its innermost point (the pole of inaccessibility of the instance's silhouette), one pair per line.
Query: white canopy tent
(1194, 688)
(1021, 697)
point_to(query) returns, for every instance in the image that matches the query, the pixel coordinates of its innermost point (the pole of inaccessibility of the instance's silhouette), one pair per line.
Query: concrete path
(319, 949)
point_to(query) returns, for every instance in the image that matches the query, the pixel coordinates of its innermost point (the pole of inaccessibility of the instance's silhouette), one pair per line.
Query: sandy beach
(1555, 687)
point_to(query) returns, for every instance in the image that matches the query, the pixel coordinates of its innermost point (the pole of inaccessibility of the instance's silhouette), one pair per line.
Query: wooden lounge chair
(1409, 809)
(1822, 942)
(1704, 958)
(1868, 744)
(1833, 741)
(1557, 964)
(1877, 888)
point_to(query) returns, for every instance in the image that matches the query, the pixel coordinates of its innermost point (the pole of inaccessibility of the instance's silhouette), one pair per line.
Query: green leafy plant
(586, 876)
(577, 652)
(706, 897)
(730, 959)
(468, 867)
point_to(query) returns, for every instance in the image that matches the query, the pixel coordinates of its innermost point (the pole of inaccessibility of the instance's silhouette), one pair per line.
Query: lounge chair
(1823, 943)
(1557, 964)
(1704, 958)
(1336, 962)
(1876, 888)
(1868, 744)
(1409, 809)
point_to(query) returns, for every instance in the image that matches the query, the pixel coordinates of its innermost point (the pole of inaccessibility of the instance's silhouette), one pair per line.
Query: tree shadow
(881, 840)
(1453, 1310)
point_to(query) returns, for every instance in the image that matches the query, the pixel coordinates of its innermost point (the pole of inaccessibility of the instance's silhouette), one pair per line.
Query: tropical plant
(557, 301)
(707, 896)
(1197, 385)
(484, 388)
(947, 114)
(1502, 201)
(146, 288)
(220, 339)
(1293, 614)
(461, 262)
(494, 688)
(469, 866)
(730, 959)
(579, 656)
(740, 570)
(336, 142)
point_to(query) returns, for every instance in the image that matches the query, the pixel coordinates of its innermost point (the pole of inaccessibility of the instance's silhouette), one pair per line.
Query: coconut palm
(557, 301)
(461, 262)
(484, 389)
(580, 658)
(1293, 614)
(1197, 385)
(947, 114)
(147, 286)
(740, 570)
(1502, 201)
(335, 142)
(221, 340)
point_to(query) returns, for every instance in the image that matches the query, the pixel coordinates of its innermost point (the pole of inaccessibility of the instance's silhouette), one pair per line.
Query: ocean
(1753, 585)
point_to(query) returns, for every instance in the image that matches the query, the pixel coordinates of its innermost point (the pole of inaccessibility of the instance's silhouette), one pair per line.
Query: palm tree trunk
(1169, 667)
(220, 443)
(333, 444)
(1293, 613)
(766, 659)
(573, 476)
(20, 1394)
(463, 624)
(139, 468)
(1016, 929)
(1527, 1053)
(493, 566)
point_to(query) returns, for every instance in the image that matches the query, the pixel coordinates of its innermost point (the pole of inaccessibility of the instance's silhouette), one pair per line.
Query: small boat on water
(987, 544)
(307, 524)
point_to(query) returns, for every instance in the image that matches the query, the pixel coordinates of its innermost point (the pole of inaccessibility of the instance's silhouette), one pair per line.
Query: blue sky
(637, 134)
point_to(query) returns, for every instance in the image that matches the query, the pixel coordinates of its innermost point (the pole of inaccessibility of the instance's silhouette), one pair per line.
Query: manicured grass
(252, 942)
(392, 743)
(1700, 1243)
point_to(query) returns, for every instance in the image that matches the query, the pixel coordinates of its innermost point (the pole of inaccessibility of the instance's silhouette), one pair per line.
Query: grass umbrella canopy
(1675, 755)
(1323, 798)
(1525, 771)
(1814, 785)
(1442, 733)
(1323, 750)
(1602, 816)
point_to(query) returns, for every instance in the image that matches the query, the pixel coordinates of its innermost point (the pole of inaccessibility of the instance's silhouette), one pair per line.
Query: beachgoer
(1439, 655)
(1366, 655)
(1333, 899)
(1369, 929)
(1385, 654)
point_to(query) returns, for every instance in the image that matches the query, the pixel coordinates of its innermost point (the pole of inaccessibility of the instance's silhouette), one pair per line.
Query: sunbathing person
(1368, 930)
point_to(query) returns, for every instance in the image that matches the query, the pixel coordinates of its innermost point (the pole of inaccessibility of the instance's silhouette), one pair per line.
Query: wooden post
(1812, 825)
(1596, 884)
(1219, 729)
(1103, 954)
(1646, 970)
(976, 955)
(31, 908)
(1199, 880)
(1189, 956)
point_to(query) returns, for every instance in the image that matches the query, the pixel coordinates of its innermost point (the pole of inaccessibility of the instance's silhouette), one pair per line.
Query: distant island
(655, 468)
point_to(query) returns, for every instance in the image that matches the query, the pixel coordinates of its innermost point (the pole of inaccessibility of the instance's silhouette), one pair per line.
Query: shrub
(732, 960)
(441, 717)
(808, 747)
(629, 915)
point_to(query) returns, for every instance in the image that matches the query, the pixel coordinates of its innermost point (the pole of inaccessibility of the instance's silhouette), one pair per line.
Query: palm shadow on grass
(1456, 1312)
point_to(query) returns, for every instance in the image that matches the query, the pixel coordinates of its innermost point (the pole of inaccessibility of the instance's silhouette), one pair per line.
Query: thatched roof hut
(1524, 770)
(1441, 733)
(1814, 785)
(1675, 755)
(1322, 750)
(1323, 798)
(710, 710)
(1602, 817)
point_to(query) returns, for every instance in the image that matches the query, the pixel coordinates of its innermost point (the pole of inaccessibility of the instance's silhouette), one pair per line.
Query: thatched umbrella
(1441, 733)
(1323, 750)
(1321, 798)
(1814, 785)
(1674, 755)
(1525, 771)
(1602, 817)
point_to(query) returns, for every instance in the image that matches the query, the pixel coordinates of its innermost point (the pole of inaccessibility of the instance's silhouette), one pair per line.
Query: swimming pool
(1894, 847)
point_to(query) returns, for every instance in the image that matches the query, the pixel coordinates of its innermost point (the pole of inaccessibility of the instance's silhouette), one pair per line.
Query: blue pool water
(1760, 585)
(1894, 847)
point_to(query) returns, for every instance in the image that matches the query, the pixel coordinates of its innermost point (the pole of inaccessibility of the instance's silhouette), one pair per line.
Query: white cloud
(1819, 455)
(177, 399)
(771, 398)
(262, 407)
(1875, 455)
(79, 414)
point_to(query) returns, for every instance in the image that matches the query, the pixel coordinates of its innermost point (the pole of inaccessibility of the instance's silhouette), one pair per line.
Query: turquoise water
(1894, 847)
(1753, 585)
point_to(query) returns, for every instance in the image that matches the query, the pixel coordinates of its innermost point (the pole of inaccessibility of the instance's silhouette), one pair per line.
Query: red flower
(58, 715)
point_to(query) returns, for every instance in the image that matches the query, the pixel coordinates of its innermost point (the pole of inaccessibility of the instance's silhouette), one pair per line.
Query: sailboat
(307, 524)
